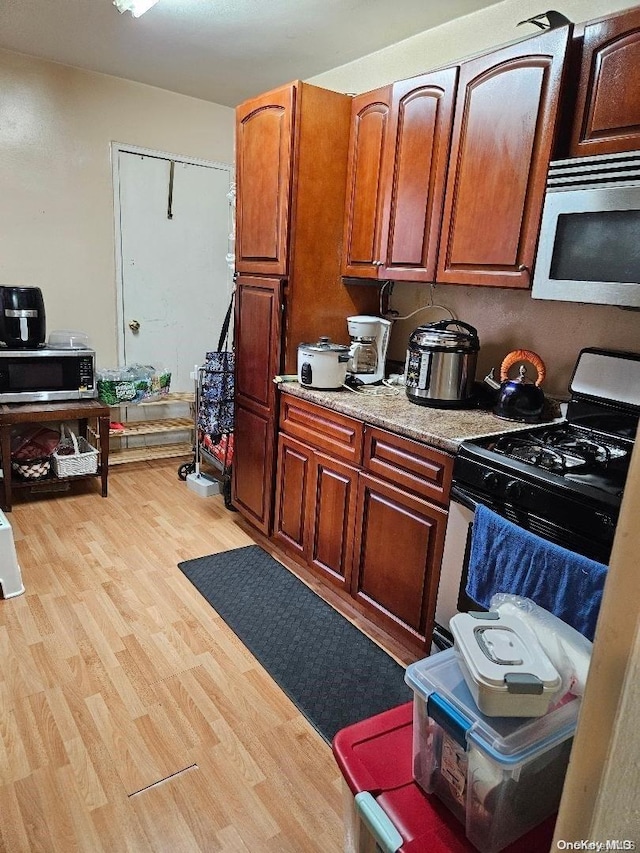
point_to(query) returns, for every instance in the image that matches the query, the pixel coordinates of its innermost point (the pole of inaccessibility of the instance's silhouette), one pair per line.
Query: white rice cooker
(322, 365)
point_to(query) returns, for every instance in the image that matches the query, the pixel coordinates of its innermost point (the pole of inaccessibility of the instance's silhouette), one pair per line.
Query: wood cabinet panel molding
(417, 467)
(369, 129)
(607, 108)
(264, 154)
(504, 130)
(378, 540)
(332, 507)
(323, 429)
(414, 174)
(397, 555)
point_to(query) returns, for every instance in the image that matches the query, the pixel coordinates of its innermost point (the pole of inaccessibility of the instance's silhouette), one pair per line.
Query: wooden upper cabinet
(504, 128)
(607, 112)
(369, 128)
(397, 169)
(414, 173)
(264, 155)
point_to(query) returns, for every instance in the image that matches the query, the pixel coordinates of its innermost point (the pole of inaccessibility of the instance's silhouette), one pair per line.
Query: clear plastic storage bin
(500, 776)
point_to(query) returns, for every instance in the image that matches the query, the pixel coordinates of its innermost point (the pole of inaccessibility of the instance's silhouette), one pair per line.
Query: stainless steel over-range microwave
(589, 248)
(47, 375)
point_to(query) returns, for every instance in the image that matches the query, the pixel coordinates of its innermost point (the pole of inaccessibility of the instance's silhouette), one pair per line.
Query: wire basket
(82, 458)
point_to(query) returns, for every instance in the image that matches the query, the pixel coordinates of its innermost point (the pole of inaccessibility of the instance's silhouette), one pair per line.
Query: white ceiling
(220, 50)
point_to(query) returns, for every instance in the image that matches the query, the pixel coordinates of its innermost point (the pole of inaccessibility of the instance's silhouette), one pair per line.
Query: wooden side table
(82, 411)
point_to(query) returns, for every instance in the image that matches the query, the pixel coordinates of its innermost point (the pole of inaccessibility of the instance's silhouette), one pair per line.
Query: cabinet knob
(523, 268)
(134, 325)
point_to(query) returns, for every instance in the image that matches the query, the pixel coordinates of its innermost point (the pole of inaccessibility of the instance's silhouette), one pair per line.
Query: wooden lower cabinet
(374, 529)
(294, 463)
(397, 556)
(315, 509)
(331, 507)
(258, 347)
(253, 464)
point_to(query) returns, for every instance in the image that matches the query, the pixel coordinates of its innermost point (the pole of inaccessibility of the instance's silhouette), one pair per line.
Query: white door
(175, 224)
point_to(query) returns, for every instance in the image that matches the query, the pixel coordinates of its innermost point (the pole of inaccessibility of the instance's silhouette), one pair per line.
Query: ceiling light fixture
(136, 7)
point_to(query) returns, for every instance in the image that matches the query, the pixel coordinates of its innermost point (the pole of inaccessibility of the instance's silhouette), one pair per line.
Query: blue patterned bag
(215, 415)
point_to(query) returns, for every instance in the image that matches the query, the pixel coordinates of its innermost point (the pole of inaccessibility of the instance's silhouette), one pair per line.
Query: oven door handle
(460, 496)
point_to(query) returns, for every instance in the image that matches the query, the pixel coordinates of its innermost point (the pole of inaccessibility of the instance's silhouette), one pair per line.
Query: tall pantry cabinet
(291, 161)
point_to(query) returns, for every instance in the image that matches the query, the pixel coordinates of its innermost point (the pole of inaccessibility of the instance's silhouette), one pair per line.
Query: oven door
(452, 597)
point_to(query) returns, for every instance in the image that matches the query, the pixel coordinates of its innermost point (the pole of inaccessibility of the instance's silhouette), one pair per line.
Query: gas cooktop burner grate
(590, 448)
(559, 450)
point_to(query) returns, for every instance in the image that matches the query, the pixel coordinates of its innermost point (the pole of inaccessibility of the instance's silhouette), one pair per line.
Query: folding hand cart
(213, 428)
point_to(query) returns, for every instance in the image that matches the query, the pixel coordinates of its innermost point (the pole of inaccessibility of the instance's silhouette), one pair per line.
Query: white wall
(505, 319)
(455, 40)
(56, 196)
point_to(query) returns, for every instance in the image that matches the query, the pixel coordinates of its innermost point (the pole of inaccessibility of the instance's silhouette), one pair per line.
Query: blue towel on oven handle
(509, 559)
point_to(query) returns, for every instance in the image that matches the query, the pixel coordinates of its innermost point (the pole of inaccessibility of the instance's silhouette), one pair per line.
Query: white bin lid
(501, 648)
(507, 740)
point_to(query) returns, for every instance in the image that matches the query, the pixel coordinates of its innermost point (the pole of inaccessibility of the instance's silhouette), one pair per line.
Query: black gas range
(564, 481)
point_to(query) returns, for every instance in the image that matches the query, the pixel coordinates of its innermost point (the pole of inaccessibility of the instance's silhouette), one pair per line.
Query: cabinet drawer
(408, 464)
(322, 428)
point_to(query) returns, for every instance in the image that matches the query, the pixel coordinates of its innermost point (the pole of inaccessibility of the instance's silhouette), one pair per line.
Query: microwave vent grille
(604, 170)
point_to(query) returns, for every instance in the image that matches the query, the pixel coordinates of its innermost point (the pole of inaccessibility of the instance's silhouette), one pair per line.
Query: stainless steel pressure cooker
(441, 364)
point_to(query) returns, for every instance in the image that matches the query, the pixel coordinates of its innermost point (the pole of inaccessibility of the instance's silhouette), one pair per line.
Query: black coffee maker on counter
(22, 317)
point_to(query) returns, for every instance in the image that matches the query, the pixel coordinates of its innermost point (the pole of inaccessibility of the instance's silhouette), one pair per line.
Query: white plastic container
(68, 339)
(500, 776)
(504, 665)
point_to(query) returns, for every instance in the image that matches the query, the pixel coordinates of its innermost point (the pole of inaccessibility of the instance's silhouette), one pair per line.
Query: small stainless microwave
(589, 247)
(46, 375)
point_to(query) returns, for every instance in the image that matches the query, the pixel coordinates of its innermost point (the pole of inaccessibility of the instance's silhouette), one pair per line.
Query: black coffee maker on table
(22, 317)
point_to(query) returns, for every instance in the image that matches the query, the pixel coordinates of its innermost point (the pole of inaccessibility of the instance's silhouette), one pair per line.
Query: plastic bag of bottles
(136, 383)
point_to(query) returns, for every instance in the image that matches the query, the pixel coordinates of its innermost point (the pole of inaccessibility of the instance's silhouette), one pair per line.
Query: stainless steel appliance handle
(460, 496)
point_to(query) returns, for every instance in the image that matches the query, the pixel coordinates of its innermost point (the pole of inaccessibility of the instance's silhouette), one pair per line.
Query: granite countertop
(442, 428)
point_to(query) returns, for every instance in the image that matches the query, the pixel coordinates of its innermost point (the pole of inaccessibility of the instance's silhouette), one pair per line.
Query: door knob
(134, 325)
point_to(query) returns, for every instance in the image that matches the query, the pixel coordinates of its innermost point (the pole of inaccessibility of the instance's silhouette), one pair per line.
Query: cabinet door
(252, 469)
(504, 128)
(315, 509)
(331, 509)
(414, 174)
(258, 351)
(397, 556)
(264, 155)
(369, 127)
(291, 522)
(607, 117)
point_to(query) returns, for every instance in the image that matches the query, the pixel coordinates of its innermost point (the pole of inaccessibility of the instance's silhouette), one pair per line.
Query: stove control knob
(513, 490)
(490, 480)
(606, 521)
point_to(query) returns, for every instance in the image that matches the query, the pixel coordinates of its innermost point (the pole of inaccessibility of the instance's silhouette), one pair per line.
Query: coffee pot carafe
(368, 349)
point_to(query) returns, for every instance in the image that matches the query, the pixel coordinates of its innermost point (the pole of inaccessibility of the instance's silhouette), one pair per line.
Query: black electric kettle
(519, 399)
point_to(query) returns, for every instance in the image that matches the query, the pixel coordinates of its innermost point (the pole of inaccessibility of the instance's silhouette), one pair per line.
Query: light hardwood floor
(132, 718)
